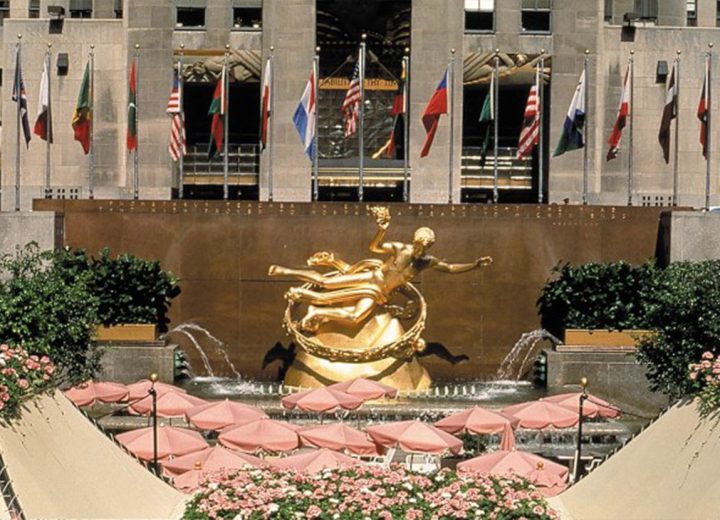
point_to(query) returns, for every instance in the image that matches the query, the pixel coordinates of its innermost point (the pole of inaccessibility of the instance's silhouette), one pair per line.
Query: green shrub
(596, 296)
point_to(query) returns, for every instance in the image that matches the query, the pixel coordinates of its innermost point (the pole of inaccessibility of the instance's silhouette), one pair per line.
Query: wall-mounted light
(63, 64)
(661, 71)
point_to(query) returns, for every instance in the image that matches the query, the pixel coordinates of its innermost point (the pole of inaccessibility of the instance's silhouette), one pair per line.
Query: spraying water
(188, 329)
(511, 368)
(203, 356)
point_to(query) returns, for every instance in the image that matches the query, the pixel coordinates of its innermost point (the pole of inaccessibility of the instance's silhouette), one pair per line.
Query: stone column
(218, 16)
(103, 9)
(706, 13)
(19, 8)
(437, 27)
(288, 25)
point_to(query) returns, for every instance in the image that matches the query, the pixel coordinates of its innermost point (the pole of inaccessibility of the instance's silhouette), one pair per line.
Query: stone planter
(601, 340)
(127, 332)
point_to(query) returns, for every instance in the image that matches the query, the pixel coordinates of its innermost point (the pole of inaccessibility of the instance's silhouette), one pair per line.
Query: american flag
(177, 133)
(530, 132)
(351, 105)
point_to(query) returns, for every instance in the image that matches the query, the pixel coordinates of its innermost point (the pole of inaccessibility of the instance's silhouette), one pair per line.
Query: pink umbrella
(414, 436)
(593, 406)
(190, 480)
(365, 389)
(140, 389)
(170, 441)
(170, 404)
(512, 462)
(476, 420)
(263, 434)
(219, 414)
(541, 414)
(338, 436)
(321, 400)
(316, 460)
(89, 392)
(507, 442)
(211, 459)
(547, 482)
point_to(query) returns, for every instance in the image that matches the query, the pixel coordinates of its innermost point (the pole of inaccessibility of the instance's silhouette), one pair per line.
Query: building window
(535, 15)
(80, 9)
(691, 8)
(34, 9)
(190, 17)
(646, 9)
(4, 10)
(608, 11)
(480, 15)
(247, 17)
(118, 9)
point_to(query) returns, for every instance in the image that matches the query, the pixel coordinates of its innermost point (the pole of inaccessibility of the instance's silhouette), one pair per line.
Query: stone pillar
(706, 13)
(218, 16)
(437, 27)
(103, 9)
(149, 23)
(19, 8)
(289, 25)
(672, 13)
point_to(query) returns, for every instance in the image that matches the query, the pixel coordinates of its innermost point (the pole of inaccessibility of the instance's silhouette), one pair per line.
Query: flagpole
(181, 161)
(676, 164)
(451, 86)
(225, 102)
(271, 102)
(91, 102)
(361, 134)
(17, 134)
(48, 124)
(708, 134)
(496, 110)
(316, 153)
(541, 109)
(586, 155)
(631, 172)
(406, 126)
(136, 159)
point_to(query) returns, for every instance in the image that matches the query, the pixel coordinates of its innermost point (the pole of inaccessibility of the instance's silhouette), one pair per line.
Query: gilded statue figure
(351, 293)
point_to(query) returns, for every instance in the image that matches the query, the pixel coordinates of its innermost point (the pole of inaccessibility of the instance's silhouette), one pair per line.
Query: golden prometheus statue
(363, 319)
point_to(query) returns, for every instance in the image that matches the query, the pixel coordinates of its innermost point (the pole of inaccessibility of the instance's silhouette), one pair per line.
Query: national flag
(669, 113)
(487, 116)
(82, 116)
(621, 120)
(351, 103)
(530, 131)
(703, 113)
(437, 106)
(265, 116)
(304, 117)
(19, 96)
(390, 149)
(176, 147)
(132, 109)
(217, 111)
(572, 134)
(43, 121)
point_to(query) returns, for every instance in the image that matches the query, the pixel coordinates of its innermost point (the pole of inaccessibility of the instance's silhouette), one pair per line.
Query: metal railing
(513, 173)
(243, 159)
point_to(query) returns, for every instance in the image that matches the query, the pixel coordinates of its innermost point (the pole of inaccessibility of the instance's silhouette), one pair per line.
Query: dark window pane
(536, 21)
(247, 17)
(190, 17)
(479, 21)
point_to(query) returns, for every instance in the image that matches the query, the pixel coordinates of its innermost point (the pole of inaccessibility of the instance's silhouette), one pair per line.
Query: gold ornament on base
(347, 320)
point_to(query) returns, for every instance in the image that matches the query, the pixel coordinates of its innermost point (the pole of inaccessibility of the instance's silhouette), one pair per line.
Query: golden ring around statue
(404, 347)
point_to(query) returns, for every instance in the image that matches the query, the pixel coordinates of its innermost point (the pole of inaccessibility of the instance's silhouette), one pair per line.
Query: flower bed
(705, 378)
(365, 493)
(21, 376)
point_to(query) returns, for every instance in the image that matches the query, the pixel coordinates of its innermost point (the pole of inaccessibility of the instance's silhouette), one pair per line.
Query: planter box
(129, 332)
(601, 340)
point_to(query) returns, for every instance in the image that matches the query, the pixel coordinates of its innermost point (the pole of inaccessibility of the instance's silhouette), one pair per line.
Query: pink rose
(707, 355)
(538, 510)
(4, 347)
(23, 383)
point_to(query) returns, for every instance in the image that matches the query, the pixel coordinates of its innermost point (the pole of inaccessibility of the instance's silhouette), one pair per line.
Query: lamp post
(578, 451)
(153, 393)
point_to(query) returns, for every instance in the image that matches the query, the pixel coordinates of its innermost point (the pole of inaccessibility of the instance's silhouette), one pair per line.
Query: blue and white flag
(572, 135)
(304, 118)
(19, 96)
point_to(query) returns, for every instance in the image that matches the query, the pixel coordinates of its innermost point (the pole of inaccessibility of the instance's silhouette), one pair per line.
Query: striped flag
(176, 147)
(572, 137)
(19, 96)
(437, 106)
(132, 108)
(217, 111)
(43, 121)
(266, 93)
(621, 121)
(669, 113)
(304, 117)
(390, 149)
(351, 104)
(530, 131)
(703, 112)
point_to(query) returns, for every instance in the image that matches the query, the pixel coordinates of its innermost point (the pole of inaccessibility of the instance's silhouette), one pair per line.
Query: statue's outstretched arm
(382, 217)
(445, 267)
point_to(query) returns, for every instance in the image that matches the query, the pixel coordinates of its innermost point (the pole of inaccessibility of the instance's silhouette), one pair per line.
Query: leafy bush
(684, 310)
(49, 311)
(597, 296)
(366, 492)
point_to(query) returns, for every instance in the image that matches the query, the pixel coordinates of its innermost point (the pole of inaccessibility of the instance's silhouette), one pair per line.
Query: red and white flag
(266, 93)
(176, 147)
(703, 113)
(351, 104)
(43, 121)
(621, 120)
(530, 132)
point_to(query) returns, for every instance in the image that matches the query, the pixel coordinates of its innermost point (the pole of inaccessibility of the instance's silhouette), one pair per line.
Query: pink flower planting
(365, 492)
(705, 381)
(21, 376)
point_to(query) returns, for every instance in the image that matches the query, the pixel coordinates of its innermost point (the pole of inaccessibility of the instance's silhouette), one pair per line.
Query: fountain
(525, 345)
(187, 330)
